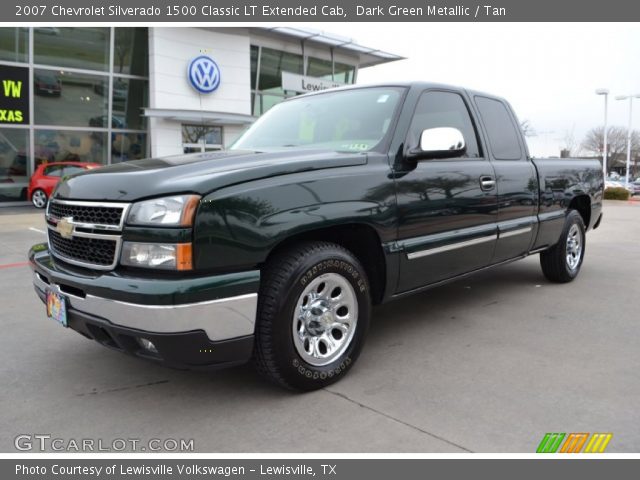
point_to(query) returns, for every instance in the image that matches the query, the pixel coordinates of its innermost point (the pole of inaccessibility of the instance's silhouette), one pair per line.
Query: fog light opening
(147, 345)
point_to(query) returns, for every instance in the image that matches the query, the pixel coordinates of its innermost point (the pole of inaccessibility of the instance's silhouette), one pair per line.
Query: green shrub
(616, 193)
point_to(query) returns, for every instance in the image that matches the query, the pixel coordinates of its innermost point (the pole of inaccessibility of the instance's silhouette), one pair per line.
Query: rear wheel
(313, 316)
(39, 198)
(561, 263)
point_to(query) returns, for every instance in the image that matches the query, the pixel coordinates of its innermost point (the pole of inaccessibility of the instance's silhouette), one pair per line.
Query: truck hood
(199, 173)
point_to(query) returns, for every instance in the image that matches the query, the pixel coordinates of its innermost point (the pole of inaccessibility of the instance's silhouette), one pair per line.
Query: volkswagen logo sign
(204, 74)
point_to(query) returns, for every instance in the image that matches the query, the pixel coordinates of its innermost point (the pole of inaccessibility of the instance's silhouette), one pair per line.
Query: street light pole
(630, 97)
(605, 92)
(626, 177)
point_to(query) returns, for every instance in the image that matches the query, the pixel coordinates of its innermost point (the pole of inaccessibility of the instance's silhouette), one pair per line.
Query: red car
(47, 176)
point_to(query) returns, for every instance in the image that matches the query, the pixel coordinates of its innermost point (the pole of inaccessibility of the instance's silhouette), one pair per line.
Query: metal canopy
(198, 116)
(368, 56)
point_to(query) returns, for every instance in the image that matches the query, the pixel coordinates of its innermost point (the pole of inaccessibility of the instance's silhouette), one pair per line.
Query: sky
(547, 71)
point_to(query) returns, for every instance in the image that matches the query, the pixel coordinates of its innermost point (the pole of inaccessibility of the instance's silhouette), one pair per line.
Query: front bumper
(194, 323)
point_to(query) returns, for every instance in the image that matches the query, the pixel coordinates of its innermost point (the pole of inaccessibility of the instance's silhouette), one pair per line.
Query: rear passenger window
(443, 109)
(502, 133)
(53, 171)
(71, 170)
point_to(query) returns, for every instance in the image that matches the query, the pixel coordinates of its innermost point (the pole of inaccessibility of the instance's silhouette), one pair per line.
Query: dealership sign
(204, 74)
(14, 95)
(304, 84)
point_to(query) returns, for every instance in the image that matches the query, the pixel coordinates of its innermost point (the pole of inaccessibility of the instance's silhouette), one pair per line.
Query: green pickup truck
(276, 250)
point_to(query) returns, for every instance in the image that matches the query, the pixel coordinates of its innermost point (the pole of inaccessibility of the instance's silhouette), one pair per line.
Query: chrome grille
(95, 238)
(94, 251)
(97, 215)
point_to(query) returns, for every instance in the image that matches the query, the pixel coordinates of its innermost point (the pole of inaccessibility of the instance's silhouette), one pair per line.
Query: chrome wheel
(574, 247)
(325, 319)
(39, 199)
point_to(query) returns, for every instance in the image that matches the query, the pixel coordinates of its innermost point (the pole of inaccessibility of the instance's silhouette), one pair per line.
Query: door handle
(487, 182)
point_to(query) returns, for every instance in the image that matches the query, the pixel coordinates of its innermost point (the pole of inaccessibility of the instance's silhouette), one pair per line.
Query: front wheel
(313, 315)
(561, 263)
(39, 198)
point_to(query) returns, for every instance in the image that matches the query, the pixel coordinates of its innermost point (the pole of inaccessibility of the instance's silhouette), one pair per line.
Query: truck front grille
(93, 251)
(87, 234)
(97, 215)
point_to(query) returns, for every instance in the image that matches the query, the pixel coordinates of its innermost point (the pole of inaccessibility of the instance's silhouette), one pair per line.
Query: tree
(569, 141)
(527, 129)
(617, 143)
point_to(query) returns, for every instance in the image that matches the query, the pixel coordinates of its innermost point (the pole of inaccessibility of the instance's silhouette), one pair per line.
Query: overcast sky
(547, 71)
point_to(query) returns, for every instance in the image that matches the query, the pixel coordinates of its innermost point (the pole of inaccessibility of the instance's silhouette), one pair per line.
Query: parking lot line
(12, 265)
(37, 230)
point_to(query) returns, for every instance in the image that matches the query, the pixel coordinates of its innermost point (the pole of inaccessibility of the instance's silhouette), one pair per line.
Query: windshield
(345, 120)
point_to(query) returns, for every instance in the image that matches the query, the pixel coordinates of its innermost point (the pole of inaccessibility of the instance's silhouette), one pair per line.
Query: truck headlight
(167, 256)
(176, 211)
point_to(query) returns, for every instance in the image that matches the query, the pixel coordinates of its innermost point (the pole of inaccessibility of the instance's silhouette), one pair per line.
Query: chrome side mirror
(442, 142)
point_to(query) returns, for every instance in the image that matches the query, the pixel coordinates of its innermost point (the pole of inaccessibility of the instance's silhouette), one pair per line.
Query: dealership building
(108, 94)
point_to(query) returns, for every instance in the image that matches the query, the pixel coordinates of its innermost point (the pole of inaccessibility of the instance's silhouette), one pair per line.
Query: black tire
(38, 198)
(283, 284)
(555, 262)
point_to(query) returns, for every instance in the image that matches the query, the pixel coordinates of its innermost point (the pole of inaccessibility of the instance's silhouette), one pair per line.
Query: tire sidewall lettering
(341, 266)
(321, 374)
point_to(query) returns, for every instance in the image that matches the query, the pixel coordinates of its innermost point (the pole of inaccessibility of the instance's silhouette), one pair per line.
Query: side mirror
(442, 142)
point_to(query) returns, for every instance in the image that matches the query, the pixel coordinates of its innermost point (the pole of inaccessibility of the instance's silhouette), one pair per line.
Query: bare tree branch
(527, 129)
(617, 143)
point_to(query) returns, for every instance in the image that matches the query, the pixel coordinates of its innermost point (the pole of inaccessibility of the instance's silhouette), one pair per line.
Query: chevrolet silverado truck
(275, 250)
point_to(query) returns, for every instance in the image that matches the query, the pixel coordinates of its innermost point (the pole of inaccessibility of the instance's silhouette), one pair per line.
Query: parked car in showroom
(47, 176)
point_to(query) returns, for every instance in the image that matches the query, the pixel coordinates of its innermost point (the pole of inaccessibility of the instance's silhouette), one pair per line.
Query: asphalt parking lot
(486, 364)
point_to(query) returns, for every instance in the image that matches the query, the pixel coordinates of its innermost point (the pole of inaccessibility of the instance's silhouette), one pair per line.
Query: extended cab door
(516, 179)
(446, 207)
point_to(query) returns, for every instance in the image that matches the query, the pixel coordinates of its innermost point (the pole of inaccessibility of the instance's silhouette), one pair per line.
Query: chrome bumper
(221, 319)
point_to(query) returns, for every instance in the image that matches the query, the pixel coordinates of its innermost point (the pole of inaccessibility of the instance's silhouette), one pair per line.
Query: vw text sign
(14, 95)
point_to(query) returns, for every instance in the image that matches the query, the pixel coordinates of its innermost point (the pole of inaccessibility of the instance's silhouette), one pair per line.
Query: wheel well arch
(582, 204)
(360, 239)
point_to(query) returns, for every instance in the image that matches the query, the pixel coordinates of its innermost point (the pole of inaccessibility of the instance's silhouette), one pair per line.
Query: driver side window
(444, 109)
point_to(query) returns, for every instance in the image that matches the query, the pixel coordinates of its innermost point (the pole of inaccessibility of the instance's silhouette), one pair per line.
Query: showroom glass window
(316, 67)
(68, 98)
(14, 44)
(106, 98)
(131, 52)
(268, 64)
(201, 138)
(85, 48)
(14, 164)
(336, 71)
(344, 73)
(90, 86)
(69, 146)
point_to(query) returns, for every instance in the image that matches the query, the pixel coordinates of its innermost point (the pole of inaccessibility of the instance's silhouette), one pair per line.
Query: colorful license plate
(57, 307)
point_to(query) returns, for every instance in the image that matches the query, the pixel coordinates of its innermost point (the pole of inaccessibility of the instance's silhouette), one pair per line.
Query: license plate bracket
(57, 307)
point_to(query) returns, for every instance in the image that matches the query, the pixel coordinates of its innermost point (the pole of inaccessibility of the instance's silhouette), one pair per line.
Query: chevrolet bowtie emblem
(65, 227)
